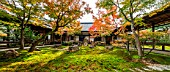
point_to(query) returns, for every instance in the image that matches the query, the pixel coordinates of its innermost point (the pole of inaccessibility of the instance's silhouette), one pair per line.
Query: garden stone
(85, 43)
(96, 43)
(73, 48)
(57, 45)
(80, 43)
(91, 46)
(109, 47)
(37, 49)
(11, 54)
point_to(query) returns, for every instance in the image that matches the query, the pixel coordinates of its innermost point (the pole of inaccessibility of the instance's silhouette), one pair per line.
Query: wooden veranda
(156, 18)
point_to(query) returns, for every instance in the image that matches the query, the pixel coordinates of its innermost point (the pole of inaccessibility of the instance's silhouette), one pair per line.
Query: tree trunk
(140, 53)
(61, 38)
(22, 38)
(127, 46)
(8, 30)
(35, 43)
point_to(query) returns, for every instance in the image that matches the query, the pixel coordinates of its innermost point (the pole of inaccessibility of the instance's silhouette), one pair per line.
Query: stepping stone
(115, 70)
(139, 70)
(147, 69)
(132, 70)
(163, 67)
(155, 68)
(166, 67)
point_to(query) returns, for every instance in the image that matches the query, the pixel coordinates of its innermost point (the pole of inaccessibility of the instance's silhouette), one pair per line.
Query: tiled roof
(86, 26)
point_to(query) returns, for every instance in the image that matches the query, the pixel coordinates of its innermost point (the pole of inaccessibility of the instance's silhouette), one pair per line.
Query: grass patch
(86, 59)
(160, 58)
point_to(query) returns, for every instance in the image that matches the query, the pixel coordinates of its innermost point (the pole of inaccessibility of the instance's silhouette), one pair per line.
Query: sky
(88, 17)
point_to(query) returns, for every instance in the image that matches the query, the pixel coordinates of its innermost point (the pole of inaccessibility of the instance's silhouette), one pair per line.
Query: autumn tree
(131, 11)
(74, 28)
(71, 29)
(27, 11)
(62, 13)
(104, 22)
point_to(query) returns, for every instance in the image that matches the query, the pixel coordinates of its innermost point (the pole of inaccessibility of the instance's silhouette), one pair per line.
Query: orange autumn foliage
(73, 28)
(65, 12)
(104, 24)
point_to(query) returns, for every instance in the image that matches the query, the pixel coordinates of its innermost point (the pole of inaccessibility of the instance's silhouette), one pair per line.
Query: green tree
(132, 11)
(27, 11)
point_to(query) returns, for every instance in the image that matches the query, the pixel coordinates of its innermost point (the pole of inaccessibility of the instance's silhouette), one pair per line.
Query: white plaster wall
(77, 38)
(91, 39)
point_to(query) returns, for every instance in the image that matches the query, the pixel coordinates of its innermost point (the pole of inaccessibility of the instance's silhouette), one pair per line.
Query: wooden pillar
(138, 30)
(153, 41)
(127, 45)
(66, 36)
(112, 38)
(163, 47)
(51, 37)
(8, 30)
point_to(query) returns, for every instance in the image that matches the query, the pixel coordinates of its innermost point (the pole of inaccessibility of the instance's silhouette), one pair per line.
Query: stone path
(152, 68)
(63, 49)
(26, 47)
(155, 51)
(161, 52)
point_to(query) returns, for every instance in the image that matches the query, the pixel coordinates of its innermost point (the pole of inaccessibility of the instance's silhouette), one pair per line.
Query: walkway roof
(158, 17)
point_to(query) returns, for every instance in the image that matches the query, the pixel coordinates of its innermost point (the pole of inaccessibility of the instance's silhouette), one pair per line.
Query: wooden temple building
(53, 38)
(160, 17)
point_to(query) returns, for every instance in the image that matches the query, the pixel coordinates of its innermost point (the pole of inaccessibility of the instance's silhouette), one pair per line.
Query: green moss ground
(89, 60)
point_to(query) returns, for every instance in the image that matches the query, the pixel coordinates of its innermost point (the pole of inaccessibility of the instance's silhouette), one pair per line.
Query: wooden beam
(163, 47)
(153, 41)
(153, 27)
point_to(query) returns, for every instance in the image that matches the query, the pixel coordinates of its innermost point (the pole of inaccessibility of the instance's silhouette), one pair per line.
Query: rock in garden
(85, 43)
(57, 45)
(109, 47)
(91, 46)
(80, 43)
(73, 48)
(37, 49)
(11, 54)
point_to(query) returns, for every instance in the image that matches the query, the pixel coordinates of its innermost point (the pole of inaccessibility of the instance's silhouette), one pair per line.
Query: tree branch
(14, 3)
(58, 20)
(136, 7)
(121, 11)
(131, 8)
(137, 16)
(29, 15)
